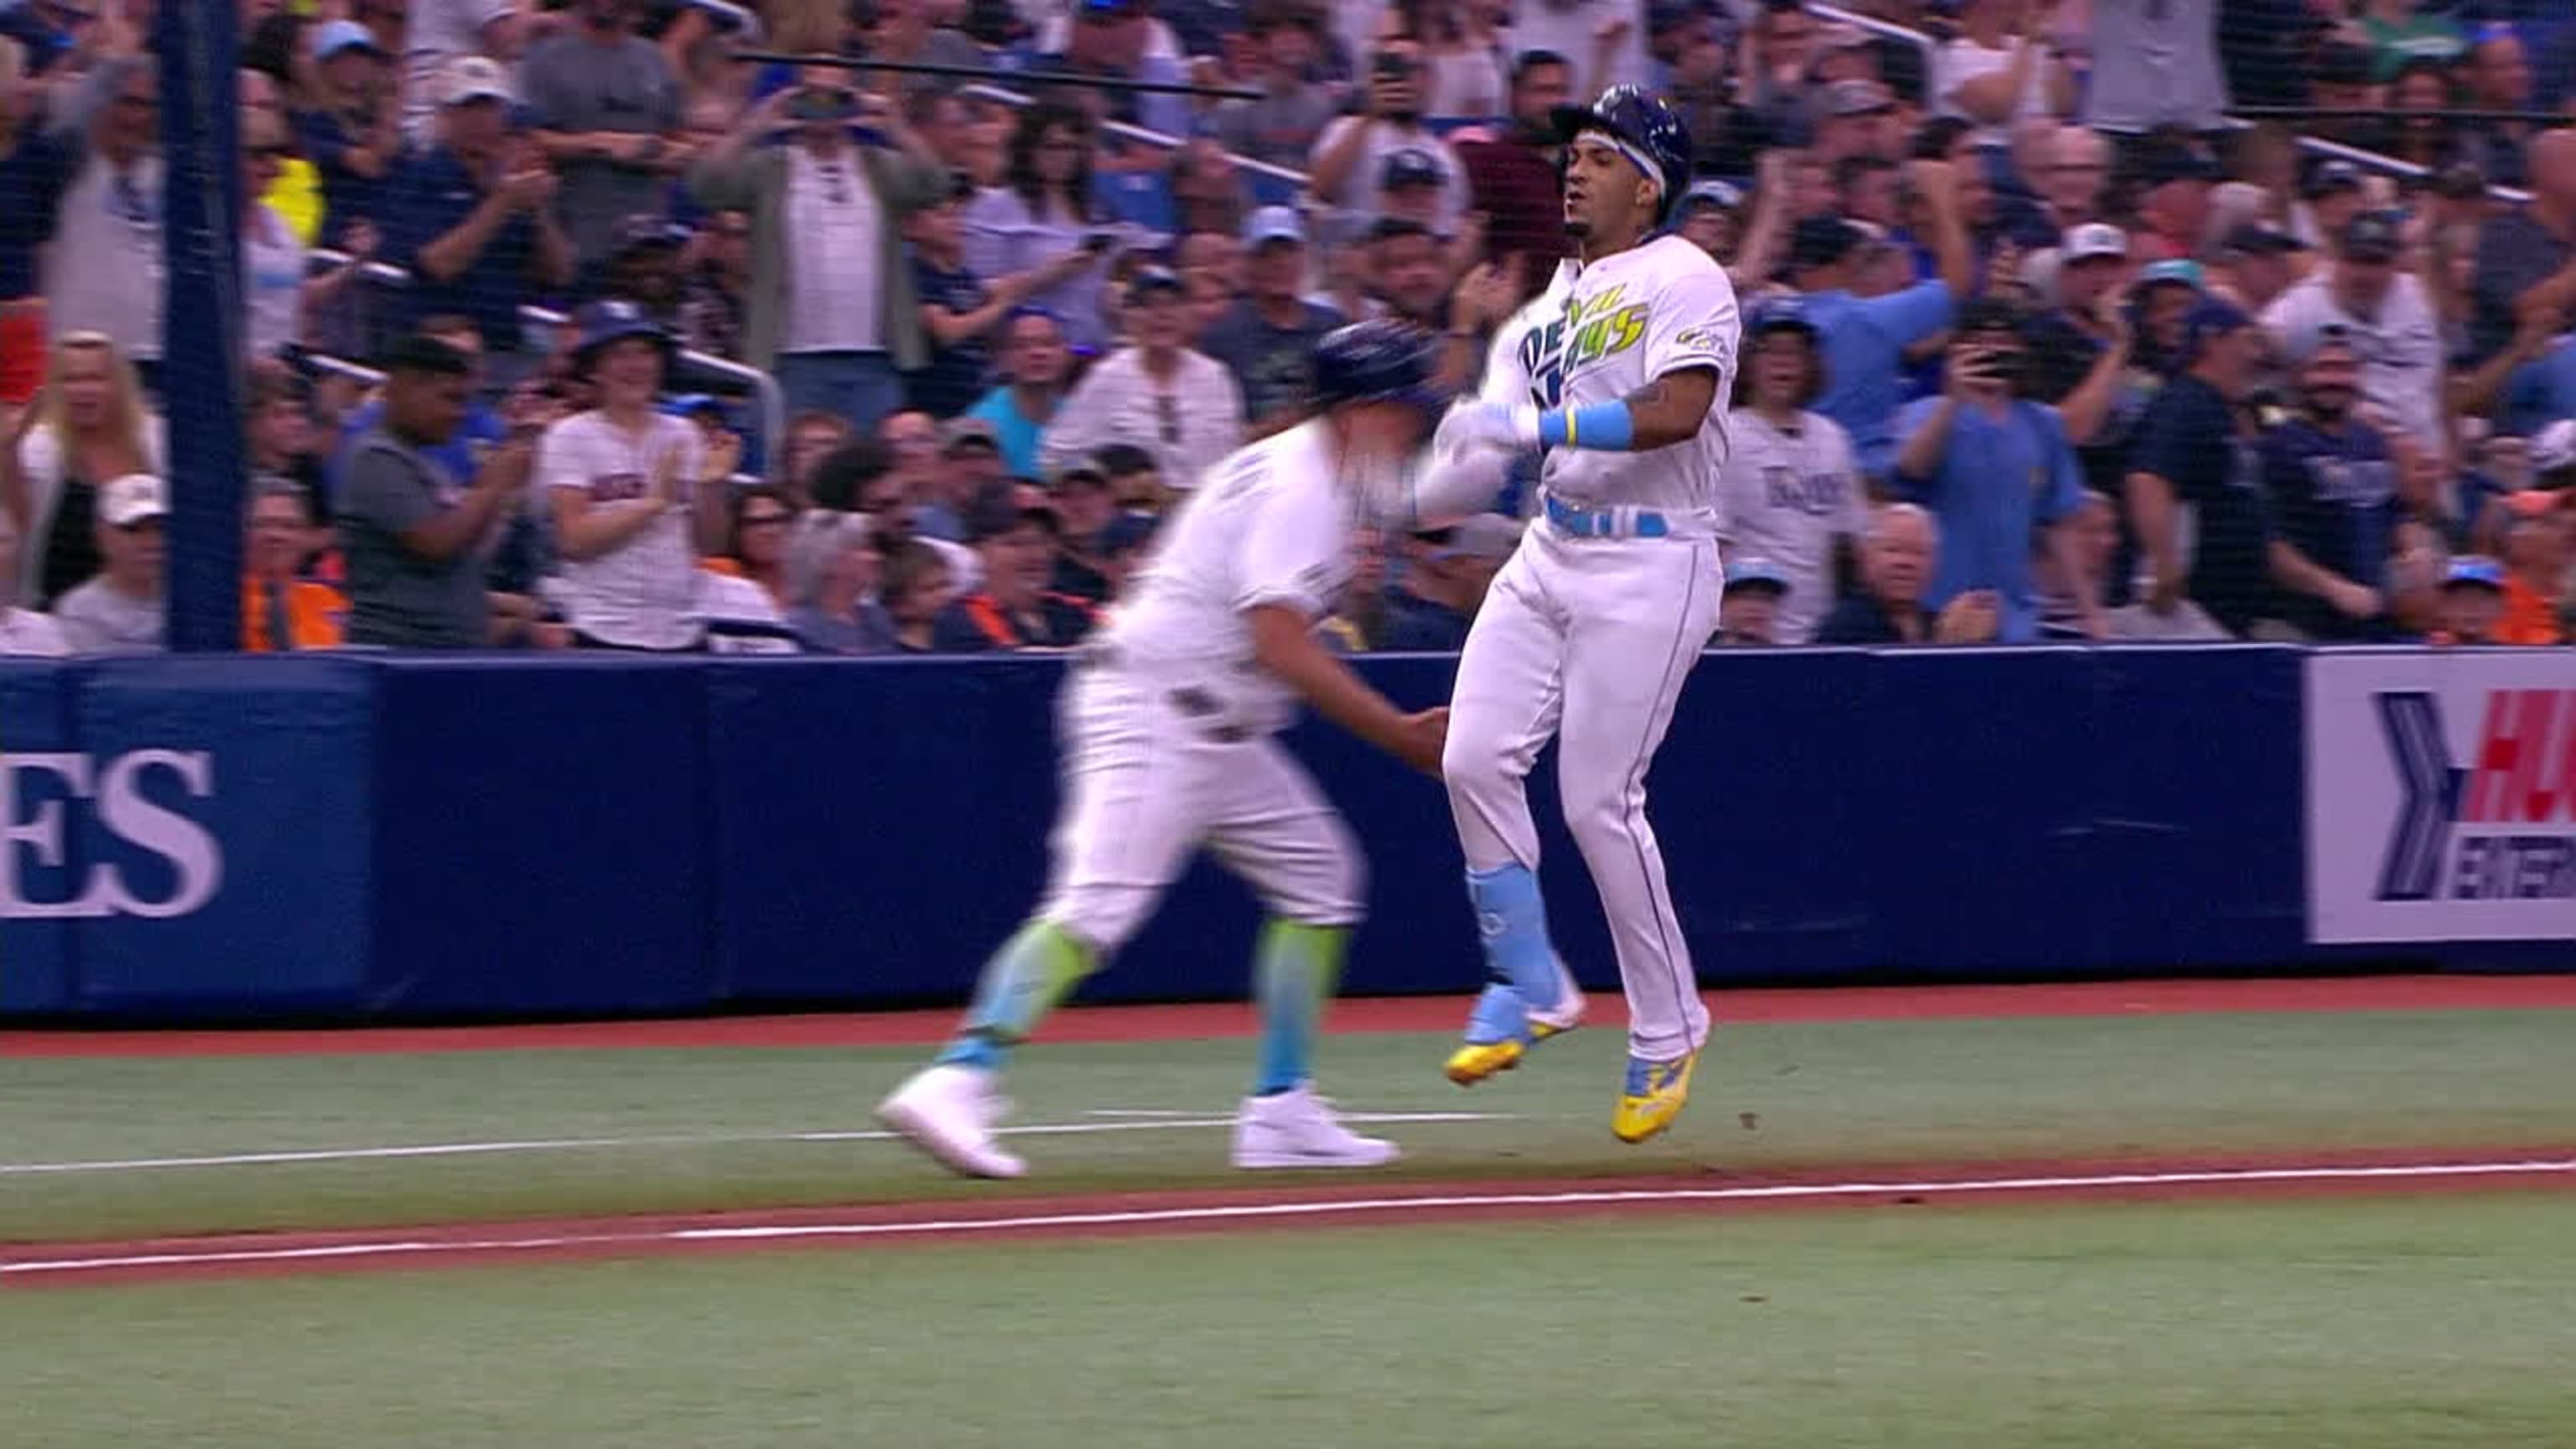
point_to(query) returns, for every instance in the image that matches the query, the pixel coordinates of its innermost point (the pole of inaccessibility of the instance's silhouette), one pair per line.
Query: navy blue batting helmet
(1649, 131)
(1377, 361)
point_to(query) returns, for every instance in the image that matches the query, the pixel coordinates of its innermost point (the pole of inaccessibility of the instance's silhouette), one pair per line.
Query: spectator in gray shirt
(608, 114)
(121, 610)
(1281, 127)
(413, 538)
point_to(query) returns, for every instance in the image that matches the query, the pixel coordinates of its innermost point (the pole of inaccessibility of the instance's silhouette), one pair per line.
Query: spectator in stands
(2498, 78)
(279, 288)
(2424, 135)
(1349, 164)
(2070, 580)
(2173, 202)
(1895, 562)
(607, 113)
(281, 610)
(1281, 127)
(1360, 617)
(644, 266)
(916, 31)
(1511, 178)
(1179, 405)
(960, 313)
(1015, 608)
(1083, 515)
(1996, 468)
(1462, 55)
(1410, 273)
(628, 489)
(99, 173)
(1865, 189)
(1119, 39)
(1268, 339)
(478, 433)
(2333, 498)
(2158, 66)
(811, 437)
(2335, 192)
(1135, 479)
(757, 554)
(2197, 447)
(1789, 491)
(2000, 69)
(1443, 584)
(89, 424)
(2535, 584)
(971, 451)
(351, 129)
(122, 609)
(412, 537)
(1748, 612)
(832, 306)
(24, 633)
(915, 589)
(1726, 136)
(2257, 264)
(279, 437)
(1034, 365)
(1865, 338)
(437, 32)
(1044, 214)
(2072, 170)
(2386, 317)
(939, 504)
(23, 227)
(1603, 38)
(2526, 258)
(471, 216)
(833, 574)
(1709, 219)
(715, 293)
(2472, 604)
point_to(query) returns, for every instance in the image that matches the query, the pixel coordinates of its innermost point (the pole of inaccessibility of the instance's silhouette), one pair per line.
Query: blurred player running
(1620, 371)
(1167, 723)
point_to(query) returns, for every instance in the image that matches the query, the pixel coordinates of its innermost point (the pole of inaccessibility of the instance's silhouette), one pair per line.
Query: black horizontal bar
(998, 77)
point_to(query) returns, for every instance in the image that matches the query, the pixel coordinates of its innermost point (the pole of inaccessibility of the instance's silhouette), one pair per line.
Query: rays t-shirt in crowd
(642, 594)
(2192, 438)
(1784, 495)
(1603, 331)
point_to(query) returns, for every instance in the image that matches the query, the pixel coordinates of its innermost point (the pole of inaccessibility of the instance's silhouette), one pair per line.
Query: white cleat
(949, 1112)
(1298, 1129)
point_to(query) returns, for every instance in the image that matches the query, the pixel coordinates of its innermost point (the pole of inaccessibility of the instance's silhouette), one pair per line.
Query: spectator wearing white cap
(2385, 314)
(1181, 406)
(470, 215)
(122, 610)
(1267, 340)
(1446, 575)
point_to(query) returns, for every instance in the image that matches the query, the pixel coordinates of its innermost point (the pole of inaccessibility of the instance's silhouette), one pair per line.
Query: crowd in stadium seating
(2040, 344)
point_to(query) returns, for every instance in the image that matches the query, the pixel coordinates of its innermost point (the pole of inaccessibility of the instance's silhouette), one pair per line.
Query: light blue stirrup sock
(1512, 921)
(1032, 972)
(1296, 970)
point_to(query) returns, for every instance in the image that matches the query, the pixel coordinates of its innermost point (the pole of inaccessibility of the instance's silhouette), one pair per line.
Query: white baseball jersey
(642, 594)
(1785, 495)
(1269, 525)
(1601, 332)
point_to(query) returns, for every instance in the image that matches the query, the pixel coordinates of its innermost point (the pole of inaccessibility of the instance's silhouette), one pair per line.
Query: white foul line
(1316, 1207)
(1157, 1122)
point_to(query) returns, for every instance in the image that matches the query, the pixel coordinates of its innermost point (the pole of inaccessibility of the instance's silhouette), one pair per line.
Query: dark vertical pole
(197, 42)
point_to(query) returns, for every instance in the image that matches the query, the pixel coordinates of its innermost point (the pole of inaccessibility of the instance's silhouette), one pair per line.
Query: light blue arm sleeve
(1911, 315)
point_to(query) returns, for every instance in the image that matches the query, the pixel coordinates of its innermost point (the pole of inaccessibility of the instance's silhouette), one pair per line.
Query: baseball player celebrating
(1620, 371)
(1167, 722)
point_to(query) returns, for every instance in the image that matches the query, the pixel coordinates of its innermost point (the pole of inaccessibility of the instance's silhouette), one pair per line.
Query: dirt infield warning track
(1396, 1014)
(1346, 1203)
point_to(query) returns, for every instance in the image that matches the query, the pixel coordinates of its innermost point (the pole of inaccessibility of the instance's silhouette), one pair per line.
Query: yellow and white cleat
(1655, 1094)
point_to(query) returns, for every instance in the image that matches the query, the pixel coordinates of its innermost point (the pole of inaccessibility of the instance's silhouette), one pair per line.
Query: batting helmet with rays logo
(1646, 130)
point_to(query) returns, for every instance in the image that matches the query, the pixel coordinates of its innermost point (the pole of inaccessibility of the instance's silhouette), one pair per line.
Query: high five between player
(1620, 371)
(1167, 725)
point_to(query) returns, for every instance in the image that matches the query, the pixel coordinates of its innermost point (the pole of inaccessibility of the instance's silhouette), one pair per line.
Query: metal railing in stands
(1161, 140)
(1884, 29)
(766, 394)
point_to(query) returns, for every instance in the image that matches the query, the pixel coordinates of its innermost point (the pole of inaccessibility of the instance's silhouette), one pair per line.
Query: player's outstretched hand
(1425, 736)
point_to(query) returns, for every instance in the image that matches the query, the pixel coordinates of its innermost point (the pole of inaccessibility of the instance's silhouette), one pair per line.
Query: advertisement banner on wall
(2441, 796)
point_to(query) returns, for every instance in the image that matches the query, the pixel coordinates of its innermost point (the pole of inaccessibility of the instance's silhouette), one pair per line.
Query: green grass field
(1816, 1094)
(2355, 1324)
(2319, 1323)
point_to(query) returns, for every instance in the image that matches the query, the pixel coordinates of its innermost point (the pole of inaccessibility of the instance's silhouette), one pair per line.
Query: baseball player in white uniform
(1167, 722)
(1788, 489)
(1620, 371)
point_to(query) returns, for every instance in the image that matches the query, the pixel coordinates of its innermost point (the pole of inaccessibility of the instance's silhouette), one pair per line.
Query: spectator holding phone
(1350, 160)
(1043, 213)
(832, 308)
(960, 313)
